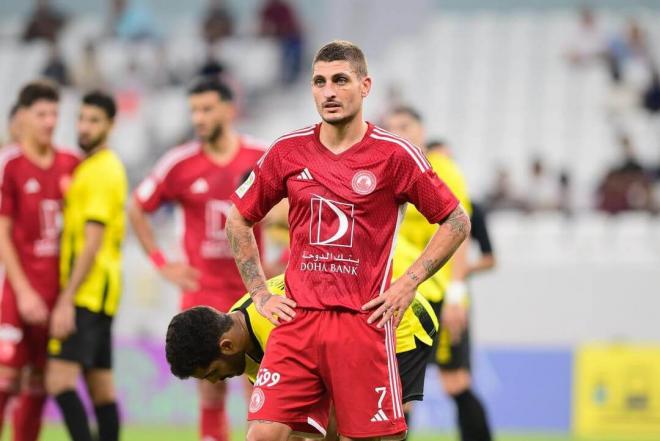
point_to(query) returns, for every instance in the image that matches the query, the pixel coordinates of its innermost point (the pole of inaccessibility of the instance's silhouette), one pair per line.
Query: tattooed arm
(393, 302)
(246, 254)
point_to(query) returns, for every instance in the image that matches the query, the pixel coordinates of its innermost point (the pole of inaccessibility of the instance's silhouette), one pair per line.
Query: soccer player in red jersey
(200, 176)
(348, 183)
(33, 177)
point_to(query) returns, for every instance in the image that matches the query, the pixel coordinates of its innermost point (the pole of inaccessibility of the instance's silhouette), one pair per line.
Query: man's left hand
(391, 304)
(63, 320)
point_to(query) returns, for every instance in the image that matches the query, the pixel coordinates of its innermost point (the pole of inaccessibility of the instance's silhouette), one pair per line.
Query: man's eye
(341, 80)
(319, 82)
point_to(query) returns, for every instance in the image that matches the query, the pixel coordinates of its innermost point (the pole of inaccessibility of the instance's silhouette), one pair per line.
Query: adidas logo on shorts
(380, 416)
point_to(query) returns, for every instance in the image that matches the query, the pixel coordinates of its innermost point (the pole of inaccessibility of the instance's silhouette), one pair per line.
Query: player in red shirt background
(347, 182)
(200, 176)
(33, 177)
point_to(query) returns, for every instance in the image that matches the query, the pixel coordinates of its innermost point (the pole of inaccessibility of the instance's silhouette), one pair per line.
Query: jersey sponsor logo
(267, 378)
(199, 186)
(380, 416)
(305, 175)
(364, 182)
(331, 223)
(216, 246)
(245, 186)
(50, 222)
(31, 186)
(257, 400)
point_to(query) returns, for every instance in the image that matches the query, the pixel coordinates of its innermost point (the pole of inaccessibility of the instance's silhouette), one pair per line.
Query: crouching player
(210, 345)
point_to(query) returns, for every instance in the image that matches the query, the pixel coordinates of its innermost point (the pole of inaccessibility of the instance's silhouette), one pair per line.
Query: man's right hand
(181, 274)
(31, 307)
(274, 307)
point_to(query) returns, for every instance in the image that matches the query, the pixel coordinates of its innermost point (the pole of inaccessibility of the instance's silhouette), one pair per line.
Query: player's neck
(339, 138)
(39, 154)
(246, 341)
(223, 149)
(96, 150)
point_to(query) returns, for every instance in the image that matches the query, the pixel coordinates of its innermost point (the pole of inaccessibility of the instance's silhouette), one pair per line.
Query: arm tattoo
(246, 254)
(457, 221)
(413, 276)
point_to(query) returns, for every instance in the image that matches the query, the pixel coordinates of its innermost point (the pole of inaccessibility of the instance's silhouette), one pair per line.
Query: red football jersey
(32, 197)
(345, 210)
(203, 188)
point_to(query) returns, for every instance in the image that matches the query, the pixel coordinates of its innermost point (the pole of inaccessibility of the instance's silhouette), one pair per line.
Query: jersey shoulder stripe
(306, 131)
(415, 149)
(174, 157)
(423, 165)
(7, 154)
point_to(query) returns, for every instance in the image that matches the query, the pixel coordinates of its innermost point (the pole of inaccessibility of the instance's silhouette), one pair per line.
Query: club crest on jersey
(32, 186)
(257, 400)
(364, 182)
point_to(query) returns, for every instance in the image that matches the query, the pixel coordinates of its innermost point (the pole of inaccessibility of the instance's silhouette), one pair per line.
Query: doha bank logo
(331, 223)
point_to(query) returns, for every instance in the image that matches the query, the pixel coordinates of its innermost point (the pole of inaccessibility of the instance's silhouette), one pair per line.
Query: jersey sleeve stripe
(412, 147)
(7, 154)
(282, 138)
(174, 157)
(422, 165)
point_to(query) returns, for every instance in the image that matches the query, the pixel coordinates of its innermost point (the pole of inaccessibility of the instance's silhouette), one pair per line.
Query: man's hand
(391, 304)
(63, 321)
(31, 307)
(274, 307)
(181, 274)
(454, 319)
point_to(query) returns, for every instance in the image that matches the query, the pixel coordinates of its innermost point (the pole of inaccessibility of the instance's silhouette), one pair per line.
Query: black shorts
(412, 367)
(91, 344)
(448, 356)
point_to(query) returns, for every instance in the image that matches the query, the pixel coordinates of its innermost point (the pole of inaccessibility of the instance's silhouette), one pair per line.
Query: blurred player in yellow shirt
(447, 289)
(90, 278)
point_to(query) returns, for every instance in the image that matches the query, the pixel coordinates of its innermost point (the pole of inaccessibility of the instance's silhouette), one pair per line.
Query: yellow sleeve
(448, 171)
(101, 196)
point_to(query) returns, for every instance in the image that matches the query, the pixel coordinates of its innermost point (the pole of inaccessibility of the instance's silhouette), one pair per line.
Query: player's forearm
(485, 262)
(460, 265)
(444, 243)
(13, 268)
(142, 227)
(85, 261)
(246, 252)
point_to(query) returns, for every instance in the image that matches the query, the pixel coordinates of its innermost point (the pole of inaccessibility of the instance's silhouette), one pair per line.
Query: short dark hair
(436, 143)
(13, 110)
(407, 110)
(192, 340)
(342, 50)
(37, 90)
(211, 84)
(102, 100)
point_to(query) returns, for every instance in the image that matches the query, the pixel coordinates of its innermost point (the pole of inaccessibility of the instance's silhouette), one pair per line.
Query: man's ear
(227, 346)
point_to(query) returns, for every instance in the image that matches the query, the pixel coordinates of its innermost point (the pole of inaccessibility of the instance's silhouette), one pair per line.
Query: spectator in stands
(588, 44)
(45, 22)
(627, 185)
(132, 20)
(56, 68)
(280, 21)
(87, 73)
(651, 97)
(503, 196)
(218, 22)
(630, 54)
(542, 188)
(565, 193)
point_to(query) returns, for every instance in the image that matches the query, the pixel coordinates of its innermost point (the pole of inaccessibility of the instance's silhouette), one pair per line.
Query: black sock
(472, 420)
(107, 418)
(74, 415)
